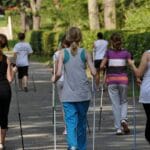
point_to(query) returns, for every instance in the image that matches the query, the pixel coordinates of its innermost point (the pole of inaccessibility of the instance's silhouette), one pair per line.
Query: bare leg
(0, 136)
(3, 135)
(25, 81)
(97, 78)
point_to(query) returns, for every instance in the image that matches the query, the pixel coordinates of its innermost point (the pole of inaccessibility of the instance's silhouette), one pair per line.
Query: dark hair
(3, 41)
(116, 41)
(99, 35)
(21, 36)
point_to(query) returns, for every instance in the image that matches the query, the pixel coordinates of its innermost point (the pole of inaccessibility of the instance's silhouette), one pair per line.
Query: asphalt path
(35, 110)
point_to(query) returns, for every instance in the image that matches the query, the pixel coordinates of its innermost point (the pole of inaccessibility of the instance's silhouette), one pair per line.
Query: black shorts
(97, 63)
(22, 71)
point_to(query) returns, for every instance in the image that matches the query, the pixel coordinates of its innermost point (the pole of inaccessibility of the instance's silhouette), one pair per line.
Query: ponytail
(74, 47)
(116, 41)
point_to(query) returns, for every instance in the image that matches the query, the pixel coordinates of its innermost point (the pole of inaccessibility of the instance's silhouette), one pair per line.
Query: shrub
(36, 42)
(48, 39)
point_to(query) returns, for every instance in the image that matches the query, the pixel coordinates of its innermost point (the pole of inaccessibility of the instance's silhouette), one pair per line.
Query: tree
(35, 6)
(109, 14)
(93, 15)
(56, 3)
(24, 7)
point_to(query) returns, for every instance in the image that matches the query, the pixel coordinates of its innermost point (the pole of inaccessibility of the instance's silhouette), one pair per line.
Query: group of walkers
(71, 61)
(75, 90)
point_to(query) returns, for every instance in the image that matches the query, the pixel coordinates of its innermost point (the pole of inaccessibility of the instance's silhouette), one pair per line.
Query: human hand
(138, 81)
(53, 79)
(14, 69)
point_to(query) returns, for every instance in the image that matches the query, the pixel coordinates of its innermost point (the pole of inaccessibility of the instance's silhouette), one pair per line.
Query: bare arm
(10, 71)
(103, 63)
(90, 64)
(142, 67)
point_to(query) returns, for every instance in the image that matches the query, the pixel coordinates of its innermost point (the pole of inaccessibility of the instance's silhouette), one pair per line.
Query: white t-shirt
(22, 49)
(55, 58)
(100, 47)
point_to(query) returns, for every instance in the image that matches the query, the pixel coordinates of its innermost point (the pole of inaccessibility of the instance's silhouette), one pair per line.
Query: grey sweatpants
(118, 97)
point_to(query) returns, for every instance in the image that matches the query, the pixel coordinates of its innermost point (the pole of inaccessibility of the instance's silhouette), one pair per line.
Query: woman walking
(6, 76)
(144, 71)
(117, 81)
(76, 93)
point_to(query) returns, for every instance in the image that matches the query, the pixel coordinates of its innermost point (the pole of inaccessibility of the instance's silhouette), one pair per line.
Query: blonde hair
(74, 36)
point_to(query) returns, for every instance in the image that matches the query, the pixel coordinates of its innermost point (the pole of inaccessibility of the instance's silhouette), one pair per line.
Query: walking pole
(134, 113)
(54, 106)
(89, 130)
(19, 114)
(33, 82)
(101, 102)
(93, 91)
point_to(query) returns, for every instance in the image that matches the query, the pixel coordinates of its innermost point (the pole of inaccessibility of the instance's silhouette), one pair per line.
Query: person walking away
(6, 76)
(143, 71)
(59, 83)
(76, 93)
(100, 47)
(22, 50)
(117, 81)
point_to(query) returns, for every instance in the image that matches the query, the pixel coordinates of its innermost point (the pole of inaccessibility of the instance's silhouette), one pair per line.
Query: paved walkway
(36, 117)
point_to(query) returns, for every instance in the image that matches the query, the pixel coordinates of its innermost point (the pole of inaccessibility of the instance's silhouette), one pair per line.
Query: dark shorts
(22, 71)
(97, 63)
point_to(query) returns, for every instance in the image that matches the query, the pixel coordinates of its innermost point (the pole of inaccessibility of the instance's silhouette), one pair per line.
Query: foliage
(36, 41)
(138, 19)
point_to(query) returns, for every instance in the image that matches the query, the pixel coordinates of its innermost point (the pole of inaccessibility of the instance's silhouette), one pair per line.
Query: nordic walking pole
(89, 130)
(101, 102)
(134, 113)
(93, 91)
(33, 82)
(54, 106)
(19, 114)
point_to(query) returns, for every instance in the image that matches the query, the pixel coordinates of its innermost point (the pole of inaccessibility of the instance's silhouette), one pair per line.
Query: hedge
(45, 42)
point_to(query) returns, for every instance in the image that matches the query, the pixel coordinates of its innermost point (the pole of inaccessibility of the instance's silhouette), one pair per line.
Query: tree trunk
(36, 22)
(35, 6)
(109, 14)
(57, 3)
(93, 15)
(23, 21)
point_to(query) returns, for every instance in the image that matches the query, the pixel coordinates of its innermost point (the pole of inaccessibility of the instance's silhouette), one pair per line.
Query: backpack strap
(83, 55)
(66, 56)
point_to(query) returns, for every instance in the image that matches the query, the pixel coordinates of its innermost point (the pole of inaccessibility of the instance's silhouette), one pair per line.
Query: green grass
(3, 22)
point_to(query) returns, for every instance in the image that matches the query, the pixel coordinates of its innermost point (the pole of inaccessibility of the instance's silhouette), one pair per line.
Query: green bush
(36, 42)
(11, 43)
(48, 39)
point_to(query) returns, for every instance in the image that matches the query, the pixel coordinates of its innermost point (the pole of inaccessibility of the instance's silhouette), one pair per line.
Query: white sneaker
(1, 146)
(65, 132)
(119, 132)
(73, 148)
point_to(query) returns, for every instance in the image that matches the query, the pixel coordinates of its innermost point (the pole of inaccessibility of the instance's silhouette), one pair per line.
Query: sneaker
(1, 146)
(119, 132)
(126, 129)
(72, 148)
(25, 89)
(65, 132)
